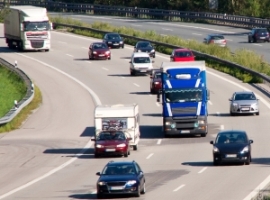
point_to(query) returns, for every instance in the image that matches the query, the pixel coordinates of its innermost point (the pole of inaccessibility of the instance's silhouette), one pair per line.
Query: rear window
(262, 30)
(183, 54)
(218, 37)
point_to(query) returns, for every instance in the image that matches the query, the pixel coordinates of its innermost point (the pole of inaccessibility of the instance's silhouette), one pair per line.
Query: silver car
(244, 103)
(216, 39)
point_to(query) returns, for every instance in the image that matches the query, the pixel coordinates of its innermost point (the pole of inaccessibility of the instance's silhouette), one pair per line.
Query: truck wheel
(135, 147)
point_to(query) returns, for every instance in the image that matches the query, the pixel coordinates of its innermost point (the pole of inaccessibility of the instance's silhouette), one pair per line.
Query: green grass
(12, 87)
(25, 112)
(243, 57)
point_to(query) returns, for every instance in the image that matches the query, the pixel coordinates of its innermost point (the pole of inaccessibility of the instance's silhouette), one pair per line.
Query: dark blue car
(232, 146)
(121, 177)
(113, 40)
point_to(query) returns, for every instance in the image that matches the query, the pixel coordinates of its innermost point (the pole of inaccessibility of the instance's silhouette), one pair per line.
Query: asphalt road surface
(51, 156)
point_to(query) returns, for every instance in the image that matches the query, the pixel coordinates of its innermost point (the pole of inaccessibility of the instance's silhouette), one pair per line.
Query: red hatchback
(179, 55)
(155, 81)
(112, 143)
(99, 50)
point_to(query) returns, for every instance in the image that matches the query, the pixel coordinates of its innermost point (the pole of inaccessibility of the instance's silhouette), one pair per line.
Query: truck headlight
(121, 145)
(200, 122)
(167, 123)
(153, 50)
(121, 42)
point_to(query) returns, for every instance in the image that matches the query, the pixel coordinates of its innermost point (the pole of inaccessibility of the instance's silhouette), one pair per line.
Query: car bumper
(240, 111)
(105, 190)
(142, 71)
(228, 158)
(99, 151)
(185, 132)
(98, 57)
(115, 45)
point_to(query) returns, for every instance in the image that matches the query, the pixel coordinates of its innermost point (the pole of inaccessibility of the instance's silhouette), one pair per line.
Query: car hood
(115, 40)
(101, 50)
(110, 142)
(231, 148)
(144, 49)
(143, 65)
(245, 102)
(108, 178)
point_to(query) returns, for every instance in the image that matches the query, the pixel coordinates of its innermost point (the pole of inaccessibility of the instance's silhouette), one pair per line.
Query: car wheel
(249, 41)
(232, 114)
(126, 154)
(123, 46)
(215, 163)
(154, 56)
(99, 196)
(203, 134)
(258, 113)
(110, 58)
(135, 147)
(96, 155)
(144, 189)
(132, 73)
(152, 91)
(248, 161)
(138, 192)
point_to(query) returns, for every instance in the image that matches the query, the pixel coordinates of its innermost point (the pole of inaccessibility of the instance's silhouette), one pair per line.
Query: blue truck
(184, 96)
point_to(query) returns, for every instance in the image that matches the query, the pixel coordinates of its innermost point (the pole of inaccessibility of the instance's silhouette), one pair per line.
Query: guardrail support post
(16, 64)
(15, 104)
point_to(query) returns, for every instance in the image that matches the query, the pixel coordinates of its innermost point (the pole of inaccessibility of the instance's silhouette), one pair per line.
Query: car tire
(152, 91)
(144, 189)
(123, 46)
(203, 134)
(154, 56)
(215, 163)
(248, 162)
(110, 58)
(96, 155)
(232, 114)
(99, 196)
(126, 154)
(135, 147)
(132, 73)
(138, 192)
(257, 113)
(249, 41)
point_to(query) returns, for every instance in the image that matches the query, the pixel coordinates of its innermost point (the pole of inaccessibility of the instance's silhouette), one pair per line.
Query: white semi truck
(27, 28)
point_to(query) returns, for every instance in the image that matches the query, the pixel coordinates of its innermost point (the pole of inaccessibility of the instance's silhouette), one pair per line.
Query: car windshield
(158, 75)
(99, 46)
(217, 37)
(124, 169)
(144, 45)
(239, 97)
(183, 95)
(141, 60)
(114, 37)
(230, 138)
(183, 54)
(111, 135)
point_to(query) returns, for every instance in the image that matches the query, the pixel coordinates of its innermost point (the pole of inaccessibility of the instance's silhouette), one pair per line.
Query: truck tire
(135, 147)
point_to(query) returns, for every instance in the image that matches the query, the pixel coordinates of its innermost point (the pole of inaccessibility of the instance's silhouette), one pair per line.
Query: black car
(232, 146)
(145, 46)
(113, 40)
(121, 177)
(258, 34)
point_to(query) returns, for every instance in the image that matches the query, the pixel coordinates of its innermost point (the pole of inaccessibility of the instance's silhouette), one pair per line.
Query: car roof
(112, 33)
(120, 162)
(178, 50)
(233, 131)
(244, 92)
(140, 54)
(99, 43)
(260, 28)
(216, 34)
(145, 41)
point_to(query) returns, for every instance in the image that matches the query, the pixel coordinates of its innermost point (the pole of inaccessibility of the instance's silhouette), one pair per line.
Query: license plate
(231, 156)
(262, 37)
(244, 108)
(143, 71)
(101, 54)
(185, 131)
(110, 150)
(115, 44)
(117, 188)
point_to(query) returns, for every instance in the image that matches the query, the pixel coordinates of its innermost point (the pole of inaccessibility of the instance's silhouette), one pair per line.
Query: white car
(140, 63)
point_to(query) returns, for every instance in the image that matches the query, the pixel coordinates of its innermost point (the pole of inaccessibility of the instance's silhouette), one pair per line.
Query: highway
(236, 37)
(51, 156)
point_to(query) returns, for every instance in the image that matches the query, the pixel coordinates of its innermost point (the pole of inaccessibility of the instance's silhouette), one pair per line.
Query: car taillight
(224, 41)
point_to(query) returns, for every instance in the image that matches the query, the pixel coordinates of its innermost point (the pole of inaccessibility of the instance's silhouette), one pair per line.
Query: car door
(140, 175)
(172, 55)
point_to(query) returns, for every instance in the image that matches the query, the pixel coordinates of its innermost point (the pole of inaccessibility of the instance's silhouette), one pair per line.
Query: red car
(112, 143)
(179, 55)
(99, 50)
(155, 81)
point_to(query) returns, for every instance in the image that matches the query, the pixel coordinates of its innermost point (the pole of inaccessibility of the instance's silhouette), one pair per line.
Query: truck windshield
(36, 26)
(183, 95)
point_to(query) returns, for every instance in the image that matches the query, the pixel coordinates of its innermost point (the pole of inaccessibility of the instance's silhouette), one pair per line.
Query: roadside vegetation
(243, 57)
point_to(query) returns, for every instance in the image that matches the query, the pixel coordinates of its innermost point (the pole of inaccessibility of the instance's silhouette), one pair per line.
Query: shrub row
(243, 57)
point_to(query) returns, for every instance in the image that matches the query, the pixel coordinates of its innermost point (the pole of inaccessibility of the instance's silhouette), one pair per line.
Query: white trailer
(27, 28)
(119, 117)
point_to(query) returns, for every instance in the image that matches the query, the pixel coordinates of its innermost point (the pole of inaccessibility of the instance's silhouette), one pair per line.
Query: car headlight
(255, 105)
(107, 52)
(245, 150)
(153, 50)
(139, 50)
(156, 83)
(235, 104)
(173, 125)
(215, 149)
(121, 42)
(200, 122)
(130, 183)
(99, 146)
(101, 183)
(94, 52)
(121, 145)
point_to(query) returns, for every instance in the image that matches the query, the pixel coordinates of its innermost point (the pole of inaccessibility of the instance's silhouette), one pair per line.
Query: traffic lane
(51, 126)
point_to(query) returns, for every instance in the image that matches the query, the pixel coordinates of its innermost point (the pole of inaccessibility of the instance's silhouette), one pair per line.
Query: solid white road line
(149, 156)
(221, 127)
(166, 29)
(181, 186)
(196, 34)
(202, 170)
(105, 68)
(218, 114)
(210, 102)
(69, 55)
(157, 104)
(123, 77)
(135, 25)
(89, 62)
(150, 95)
(136, 84)
(62, 42)
(159, 141)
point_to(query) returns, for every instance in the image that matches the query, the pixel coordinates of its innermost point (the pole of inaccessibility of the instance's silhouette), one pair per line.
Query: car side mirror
(230, 99)
(98, 173)
(250, 141)
(211, 142)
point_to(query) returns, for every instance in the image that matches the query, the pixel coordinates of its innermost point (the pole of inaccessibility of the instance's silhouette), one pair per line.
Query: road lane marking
(62, 42)
(136, 84)
(258, 45)
(105, 68)
(167, 29)
(69, 55)
(89, 62)
(150, 95)
(135, 25)
(159, 141)
(221, 127)
(210, 102)
(123, 77)
(218, 114)
(181, 186)
(158, 105)
(149, 156)
(202, 170)
(196, 34)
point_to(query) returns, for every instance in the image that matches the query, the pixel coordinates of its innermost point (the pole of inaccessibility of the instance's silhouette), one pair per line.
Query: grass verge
(12, 87)
(243, 57)
(25, 112)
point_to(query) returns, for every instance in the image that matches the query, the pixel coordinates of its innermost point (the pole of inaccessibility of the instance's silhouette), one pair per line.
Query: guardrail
(264, 77)
(241, 21)
(18, 106)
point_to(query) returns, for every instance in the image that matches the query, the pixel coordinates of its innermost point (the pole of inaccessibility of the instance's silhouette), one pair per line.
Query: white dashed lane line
(258, 45)
(196, 34)
(69, 55)
(157, 104)
(61, 42)
(221, 127)
(210, 102)
(202, 170)
(166, 29)
(123, 77)
(84, 47)
(105, 68)
(181, 186)
(136, 84)
(159, 141)
(149, 156)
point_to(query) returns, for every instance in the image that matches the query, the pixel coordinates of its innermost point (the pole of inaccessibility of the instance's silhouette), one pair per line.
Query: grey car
(216, 39)
(244, 103)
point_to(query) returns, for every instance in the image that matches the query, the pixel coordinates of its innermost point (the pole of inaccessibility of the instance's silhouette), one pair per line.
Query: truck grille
(185, 124)
(186, 110)
(37, 43)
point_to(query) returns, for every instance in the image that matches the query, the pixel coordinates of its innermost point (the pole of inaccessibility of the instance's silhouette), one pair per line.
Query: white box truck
(119, 117)
(27, 28)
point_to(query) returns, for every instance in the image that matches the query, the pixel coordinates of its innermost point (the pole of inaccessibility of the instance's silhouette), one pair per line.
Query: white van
(119, 117)
(140, 63)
